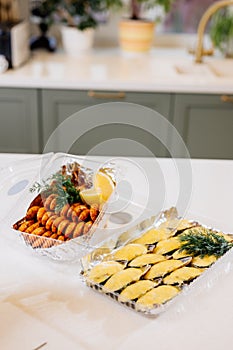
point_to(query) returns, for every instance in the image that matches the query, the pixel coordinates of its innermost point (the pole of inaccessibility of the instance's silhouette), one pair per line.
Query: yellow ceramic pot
(136, 35)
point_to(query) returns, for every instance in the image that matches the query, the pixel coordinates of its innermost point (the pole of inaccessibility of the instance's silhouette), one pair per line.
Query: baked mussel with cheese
(157, 296)
(122, 278)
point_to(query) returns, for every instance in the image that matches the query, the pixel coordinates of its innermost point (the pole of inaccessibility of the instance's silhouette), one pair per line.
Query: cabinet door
(59, 105)
(206, 125)
(19, 132)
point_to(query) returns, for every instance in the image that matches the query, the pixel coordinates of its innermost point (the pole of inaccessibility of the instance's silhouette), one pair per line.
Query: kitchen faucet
(199, 52)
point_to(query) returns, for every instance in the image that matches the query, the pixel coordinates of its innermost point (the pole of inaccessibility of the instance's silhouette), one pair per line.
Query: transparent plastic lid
(16, 180)
(117, 214)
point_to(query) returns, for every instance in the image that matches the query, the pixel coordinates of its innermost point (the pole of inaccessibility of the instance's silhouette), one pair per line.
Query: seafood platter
(148, 266)
(145, 267)
(65, 206)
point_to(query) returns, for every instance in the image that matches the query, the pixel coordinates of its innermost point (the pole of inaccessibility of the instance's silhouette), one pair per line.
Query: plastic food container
(15, 181)
(114, 244)
(15, 192)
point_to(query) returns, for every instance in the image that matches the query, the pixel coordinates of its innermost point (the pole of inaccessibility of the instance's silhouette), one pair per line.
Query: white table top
(45, 301)
(162, 70)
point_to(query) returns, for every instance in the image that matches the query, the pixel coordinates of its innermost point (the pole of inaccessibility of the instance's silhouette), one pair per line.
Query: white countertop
(110, 69)
(44, 301)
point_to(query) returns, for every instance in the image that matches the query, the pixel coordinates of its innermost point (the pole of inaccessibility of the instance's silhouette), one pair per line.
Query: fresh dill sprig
(62, 186)
(199, 244)
(37, 187)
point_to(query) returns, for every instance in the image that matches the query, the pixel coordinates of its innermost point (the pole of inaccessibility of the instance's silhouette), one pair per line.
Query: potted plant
(136, 33)
(221, 31)
(79, 19)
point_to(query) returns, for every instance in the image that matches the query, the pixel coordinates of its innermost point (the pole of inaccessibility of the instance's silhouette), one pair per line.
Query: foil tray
(205, 281)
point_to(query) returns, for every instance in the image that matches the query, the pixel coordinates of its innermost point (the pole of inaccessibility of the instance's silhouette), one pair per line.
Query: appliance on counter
(14, 38)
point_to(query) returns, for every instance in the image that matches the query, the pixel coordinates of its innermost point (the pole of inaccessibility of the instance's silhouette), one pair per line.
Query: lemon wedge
(91, 196)
(104, 184)
(102, 189)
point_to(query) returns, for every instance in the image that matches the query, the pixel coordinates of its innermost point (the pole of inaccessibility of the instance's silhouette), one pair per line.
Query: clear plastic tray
(205, 281)
(19, 177)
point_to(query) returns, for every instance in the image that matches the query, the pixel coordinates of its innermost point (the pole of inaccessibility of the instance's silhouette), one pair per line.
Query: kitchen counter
(44, 301)
(163, 70)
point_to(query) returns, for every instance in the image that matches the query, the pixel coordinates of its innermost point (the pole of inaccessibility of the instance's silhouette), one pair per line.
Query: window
(185, 16)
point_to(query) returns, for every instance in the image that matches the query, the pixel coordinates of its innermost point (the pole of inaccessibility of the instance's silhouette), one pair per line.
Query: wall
(23, 5)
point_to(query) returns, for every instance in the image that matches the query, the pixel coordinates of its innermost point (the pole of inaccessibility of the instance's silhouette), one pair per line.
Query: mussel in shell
(158, 296)
(206, 261)
(147, 259)
(178, 224)
(122, 278)
(101, 272)
(163, 268)
(180, 254)
(184, 274)
(128, 252)
(136, 290)
(167, 246)
(152, 236)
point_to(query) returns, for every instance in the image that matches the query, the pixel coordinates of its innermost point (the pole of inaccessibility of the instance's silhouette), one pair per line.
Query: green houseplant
(136, 33)
(83, 14)
(78, 19)
(221, 31)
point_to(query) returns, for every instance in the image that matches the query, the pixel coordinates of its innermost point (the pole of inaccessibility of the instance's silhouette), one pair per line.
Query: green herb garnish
(62, 186)
(41, 187)
(199, 244)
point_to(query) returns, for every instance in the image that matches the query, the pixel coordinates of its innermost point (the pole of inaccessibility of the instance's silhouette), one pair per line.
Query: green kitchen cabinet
(19, 132)
(114, 139)
(29, 117)
(205, 123)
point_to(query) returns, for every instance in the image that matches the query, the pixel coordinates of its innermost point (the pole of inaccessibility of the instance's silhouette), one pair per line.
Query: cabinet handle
(225, 98)
(107, 95)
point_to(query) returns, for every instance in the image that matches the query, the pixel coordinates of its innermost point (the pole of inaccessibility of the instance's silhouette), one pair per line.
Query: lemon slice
(91, 196)
(102, 189)
(104, 184)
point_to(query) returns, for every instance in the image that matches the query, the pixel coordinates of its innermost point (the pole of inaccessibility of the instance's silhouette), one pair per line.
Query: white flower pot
(76, 41)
